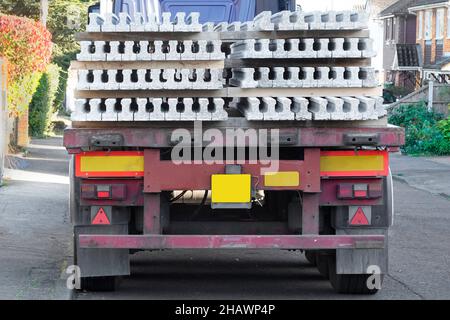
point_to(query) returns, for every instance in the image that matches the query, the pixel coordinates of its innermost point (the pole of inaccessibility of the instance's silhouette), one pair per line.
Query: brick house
(401, 61)
(433, 38)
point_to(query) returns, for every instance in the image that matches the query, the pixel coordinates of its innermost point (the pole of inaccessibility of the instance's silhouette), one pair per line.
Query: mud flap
(102, 262)
(362, 261)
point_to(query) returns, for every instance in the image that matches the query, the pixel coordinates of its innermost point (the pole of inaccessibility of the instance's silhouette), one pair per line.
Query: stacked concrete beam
(314, 108)
(201, 50)
(305, 77)
(138, 23)
(305, 48)
(150, 109)
(154, 79)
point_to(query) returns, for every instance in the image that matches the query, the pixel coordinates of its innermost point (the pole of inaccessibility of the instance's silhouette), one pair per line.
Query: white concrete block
(193, 22)
(144, 54)
(261, 76)
(283, 109)
(306, 48)
(188, 53)
(336, 109)
(138, 23)
(208, 27)
(267, 108)
(94, 114)
(97, 84)
(234, 26)
(188, 114)
(172, 114)
(300, 109)
(214, 47)
(367, 108)
(262, 22)
(282, 21)
(110, 23)
(277, 48)
(219, 113)
(141, 114)
(156, 84)
(297, 18)
(351, 75)
(368, 77)
(351, 108)
(203, 114)
(323, 51)
(127, 84)
(114, 54)
(166, 25)
(110, 114)
(250, 108)
(243, 78)
(158, 54)
(85, 53)
(173, 53)
(95, 23)
(152, 24)
(99, 54)
(157, 114)
(126, 114)
(338, 44)
(179, 24)
(318, 108)
(83, 82)
(124, 22)
(314, 19)
(79, 114)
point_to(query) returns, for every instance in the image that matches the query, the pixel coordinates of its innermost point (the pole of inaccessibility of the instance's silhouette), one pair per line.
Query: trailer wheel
(322, 264)
(349, 283)
(311, 257)
(98, 284)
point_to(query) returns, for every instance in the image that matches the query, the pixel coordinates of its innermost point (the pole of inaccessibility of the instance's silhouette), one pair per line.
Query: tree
(21, 8)
(44, 11)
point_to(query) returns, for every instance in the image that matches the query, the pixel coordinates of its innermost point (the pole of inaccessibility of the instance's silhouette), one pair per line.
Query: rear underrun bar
(231, 242)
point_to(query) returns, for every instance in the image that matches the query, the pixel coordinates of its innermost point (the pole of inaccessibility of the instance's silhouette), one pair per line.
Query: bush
(424, 135)
(42, 104)
(63, 61)
(28, 48)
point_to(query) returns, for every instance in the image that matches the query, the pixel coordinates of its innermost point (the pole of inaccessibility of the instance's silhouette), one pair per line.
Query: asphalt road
(35, 245)
(419, 265)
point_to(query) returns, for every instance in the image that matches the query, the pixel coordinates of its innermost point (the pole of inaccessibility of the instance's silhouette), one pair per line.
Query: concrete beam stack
(262, 54)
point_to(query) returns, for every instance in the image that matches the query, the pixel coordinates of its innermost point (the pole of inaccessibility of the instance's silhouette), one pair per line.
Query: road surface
(35, 238)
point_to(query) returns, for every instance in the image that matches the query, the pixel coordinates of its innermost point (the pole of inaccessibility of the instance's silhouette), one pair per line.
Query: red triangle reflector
(101, 218)
(359, 219)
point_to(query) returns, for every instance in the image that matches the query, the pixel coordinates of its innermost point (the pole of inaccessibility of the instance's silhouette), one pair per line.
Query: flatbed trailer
(331, 196)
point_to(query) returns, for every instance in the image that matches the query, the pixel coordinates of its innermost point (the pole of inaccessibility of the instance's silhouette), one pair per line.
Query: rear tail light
(103, 192)
(347, 191)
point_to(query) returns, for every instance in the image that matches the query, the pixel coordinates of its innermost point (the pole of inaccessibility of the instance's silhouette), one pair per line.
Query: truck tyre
(98, 284)
(311, 257)
(349, 283)
(322, 264)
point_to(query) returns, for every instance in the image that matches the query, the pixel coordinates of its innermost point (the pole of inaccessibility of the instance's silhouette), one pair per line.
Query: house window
(440, 24)
(428, 24)
(420, 25)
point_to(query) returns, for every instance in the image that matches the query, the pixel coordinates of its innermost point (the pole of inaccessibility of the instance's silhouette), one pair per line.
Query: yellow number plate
(231, 188)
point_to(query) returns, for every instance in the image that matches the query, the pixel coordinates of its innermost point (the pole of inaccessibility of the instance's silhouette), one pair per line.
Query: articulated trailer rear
(331, 196)
(287, 150)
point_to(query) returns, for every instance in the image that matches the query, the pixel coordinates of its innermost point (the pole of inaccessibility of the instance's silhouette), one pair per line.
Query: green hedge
(425, 131)
(42, 104)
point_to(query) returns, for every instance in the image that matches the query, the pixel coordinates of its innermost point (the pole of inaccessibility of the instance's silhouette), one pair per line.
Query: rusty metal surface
(230, 242)
(159, 136)
(167, 176)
